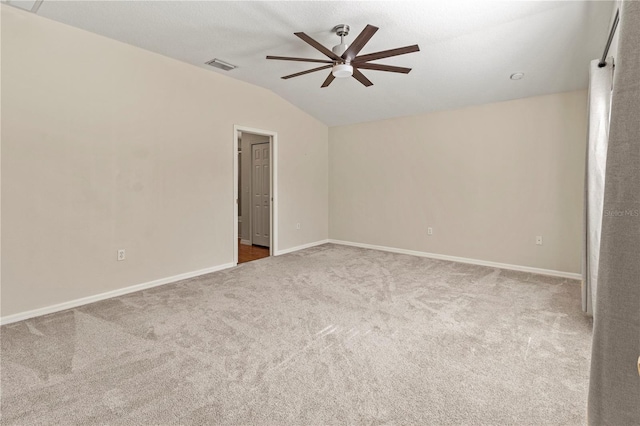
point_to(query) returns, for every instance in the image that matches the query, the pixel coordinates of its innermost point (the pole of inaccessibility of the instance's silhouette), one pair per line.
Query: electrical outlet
(297, 226)
(121, 254)
(429, 231)
(539, 240)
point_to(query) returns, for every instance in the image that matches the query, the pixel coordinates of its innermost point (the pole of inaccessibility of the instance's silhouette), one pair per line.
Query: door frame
(273, 187)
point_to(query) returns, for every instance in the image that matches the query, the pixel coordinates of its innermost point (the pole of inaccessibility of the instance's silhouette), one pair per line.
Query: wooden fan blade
(318, 46)
(380, 67)
(357, 45)
(324, 67)
(361, 78)
(287, 58)
(387, 53)
(328, 81)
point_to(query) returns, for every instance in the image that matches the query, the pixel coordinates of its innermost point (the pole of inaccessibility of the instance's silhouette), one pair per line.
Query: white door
(261, 196)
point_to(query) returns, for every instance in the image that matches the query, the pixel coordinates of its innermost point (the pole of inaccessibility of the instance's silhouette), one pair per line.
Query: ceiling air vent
(31, 6)
(221, 64)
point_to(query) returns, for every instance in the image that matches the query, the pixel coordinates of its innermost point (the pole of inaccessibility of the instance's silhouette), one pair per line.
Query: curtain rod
(603, 61)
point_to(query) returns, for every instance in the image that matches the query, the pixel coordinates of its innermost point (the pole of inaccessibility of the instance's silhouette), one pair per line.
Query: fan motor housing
(339, 49)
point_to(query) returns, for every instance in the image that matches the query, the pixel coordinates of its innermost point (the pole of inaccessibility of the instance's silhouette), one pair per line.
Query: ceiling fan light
(342, 71)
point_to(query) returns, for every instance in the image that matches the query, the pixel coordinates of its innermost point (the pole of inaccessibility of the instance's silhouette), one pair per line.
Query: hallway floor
(248, 253)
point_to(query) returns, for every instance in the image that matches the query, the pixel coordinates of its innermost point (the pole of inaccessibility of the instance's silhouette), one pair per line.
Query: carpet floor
(327, 335)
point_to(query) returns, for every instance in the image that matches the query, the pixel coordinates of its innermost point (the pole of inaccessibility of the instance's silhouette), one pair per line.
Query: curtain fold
(600, 83)
(614, 386)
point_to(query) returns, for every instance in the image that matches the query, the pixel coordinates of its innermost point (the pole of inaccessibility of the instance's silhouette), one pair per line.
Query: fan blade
(361, 78)
(324, 67)
(318, 46)
(380, 67)
(328, 81)
(357, 45)
(287, 58)
(387, 53)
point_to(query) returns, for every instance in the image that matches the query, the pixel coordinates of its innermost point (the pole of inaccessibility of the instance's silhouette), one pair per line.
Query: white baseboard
(119, 292)
(302, 247)
(109, 294)
(245, 242)
(562, 274)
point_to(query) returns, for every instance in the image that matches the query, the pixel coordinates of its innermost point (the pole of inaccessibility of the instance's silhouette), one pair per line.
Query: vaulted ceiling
(468, 48)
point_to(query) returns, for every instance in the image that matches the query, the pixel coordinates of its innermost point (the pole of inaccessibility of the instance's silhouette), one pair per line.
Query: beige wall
(488, 179)
(107, 146)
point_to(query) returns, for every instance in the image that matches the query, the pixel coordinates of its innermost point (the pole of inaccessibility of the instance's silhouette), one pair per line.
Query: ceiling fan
(344, 60)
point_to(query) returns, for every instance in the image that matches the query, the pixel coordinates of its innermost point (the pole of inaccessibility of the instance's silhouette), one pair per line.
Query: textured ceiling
(468, 48)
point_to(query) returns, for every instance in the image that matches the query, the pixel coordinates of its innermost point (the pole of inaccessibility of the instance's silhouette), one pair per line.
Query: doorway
(254, 189)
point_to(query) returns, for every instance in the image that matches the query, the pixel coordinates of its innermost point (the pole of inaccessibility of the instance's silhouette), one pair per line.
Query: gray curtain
(614, 388)
(600, 82)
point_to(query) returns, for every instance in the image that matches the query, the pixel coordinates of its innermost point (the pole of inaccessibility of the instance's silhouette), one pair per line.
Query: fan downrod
(342, 31)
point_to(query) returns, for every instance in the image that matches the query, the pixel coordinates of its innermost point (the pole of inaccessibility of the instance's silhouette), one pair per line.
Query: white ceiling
(468, 48)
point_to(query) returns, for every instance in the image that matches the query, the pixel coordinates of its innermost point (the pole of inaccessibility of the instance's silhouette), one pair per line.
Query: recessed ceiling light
(517, 76)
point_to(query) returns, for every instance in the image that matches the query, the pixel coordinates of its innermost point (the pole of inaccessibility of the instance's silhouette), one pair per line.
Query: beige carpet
(328, 335)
